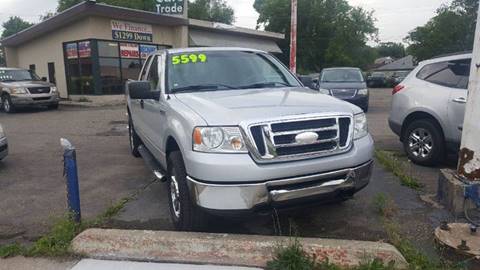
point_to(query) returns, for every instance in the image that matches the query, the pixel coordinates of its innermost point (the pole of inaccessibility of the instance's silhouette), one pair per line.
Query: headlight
(324, 91)
(53, 89)
(218, 140)
(363, 92)
(19, 90)
(361, 126)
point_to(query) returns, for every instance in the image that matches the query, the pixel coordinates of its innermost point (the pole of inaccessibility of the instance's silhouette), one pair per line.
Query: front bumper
(279, 192)
(3, 148)
(32, 100)
(360, 101)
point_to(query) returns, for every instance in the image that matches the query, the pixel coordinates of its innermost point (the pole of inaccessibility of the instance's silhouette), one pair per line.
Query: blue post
(71, 174)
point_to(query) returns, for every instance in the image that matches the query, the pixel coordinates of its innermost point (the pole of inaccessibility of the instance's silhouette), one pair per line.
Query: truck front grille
(39, 90)
(280, 140)
(344, 93)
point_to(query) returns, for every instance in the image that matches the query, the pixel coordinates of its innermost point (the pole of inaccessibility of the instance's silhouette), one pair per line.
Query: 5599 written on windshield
(189, 58)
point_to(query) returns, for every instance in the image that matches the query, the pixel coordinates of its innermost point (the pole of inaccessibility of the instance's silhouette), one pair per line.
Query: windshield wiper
(212, 86)
(264, 84)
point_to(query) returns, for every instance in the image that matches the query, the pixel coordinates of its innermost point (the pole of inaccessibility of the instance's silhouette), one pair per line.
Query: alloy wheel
(420, 143)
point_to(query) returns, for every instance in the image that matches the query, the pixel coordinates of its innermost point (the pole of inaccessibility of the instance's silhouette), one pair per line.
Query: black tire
(7, 104)
(424, 143)
(133, 139)
(53, 106)
(185, 215)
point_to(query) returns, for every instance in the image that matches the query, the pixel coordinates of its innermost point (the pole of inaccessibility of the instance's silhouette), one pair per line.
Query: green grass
(56, 243)
(398, 167)
(294, 257)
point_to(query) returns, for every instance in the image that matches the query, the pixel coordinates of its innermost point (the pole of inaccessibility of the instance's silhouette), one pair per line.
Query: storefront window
(110, 77)
(108, 49)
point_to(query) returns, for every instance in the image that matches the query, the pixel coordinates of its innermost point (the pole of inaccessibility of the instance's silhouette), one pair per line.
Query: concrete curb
(221, 249)
(92, 104)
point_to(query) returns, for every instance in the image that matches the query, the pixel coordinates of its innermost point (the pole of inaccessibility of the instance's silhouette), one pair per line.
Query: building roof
(405, 63)
(92, 8)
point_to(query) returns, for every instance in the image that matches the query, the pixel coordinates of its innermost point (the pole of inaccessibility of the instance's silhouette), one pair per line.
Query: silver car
(21, 88)
(428, 108)
(3, 144)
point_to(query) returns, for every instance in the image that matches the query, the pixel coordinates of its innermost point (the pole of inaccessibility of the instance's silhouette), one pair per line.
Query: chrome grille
(344, 93)
(39, 90)
(282, 139)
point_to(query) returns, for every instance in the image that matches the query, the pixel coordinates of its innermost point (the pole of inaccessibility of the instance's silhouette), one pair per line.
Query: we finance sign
(170, 7)
(130, 31)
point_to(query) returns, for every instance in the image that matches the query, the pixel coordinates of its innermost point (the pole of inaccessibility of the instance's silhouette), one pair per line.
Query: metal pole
(293, 38)
(71, 174)
(469, 160)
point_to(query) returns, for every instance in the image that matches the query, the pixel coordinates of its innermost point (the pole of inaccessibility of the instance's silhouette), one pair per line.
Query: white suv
(428, 108)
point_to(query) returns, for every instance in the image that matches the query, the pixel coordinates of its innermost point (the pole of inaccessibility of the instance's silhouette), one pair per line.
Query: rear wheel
(185, 215)
(7, 105)
(134, 140)
(424, 143)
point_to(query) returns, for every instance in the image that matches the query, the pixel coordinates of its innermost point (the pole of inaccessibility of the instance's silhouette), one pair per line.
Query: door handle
(142, 104)
(460, 100)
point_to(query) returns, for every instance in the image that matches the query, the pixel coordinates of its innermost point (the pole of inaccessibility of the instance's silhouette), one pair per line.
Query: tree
(211, 10)
(451, 30)
(392, 49)
(330, 32)
(14, 25)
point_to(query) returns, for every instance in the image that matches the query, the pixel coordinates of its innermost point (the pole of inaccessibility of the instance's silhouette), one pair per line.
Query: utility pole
(293, 38)
(469, 160)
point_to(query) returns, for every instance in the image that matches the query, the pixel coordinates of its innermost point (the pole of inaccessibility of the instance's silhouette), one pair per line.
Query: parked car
(428, 108)
(21, 88)
(377, 79)
(398, 77)
(3, 144)
(235, 132)
(345, 83)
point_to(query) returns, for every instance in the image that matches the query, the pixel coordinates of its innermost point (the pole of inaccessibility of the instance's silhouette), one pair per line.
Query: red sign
(128, 50)
(84, 49)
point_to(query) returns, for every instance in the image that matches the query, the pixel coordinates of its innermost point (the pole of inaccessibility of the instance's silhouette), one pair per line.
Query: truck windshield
(226, 70)
(342, 75)
(18, 75)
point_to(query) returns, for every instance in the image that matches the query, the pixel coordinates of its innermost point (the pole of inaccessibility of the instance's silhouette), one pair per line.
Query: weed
(84, 99)
(397, 167)
(11, 250)
(384, 205)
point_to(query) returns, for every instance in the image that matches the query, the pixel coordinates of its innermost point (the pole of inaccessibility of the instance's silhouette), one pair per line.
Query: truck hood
(25, 84)
(234, 106)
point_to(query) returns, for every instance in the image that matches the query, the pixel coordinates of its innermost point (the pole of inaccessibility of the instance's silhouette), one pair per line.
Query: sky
(395, 18)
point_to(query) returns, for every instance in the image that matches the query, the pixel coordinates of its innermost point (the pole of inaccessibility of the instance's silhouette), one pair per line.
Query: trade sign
(130, 31)
(170, 7)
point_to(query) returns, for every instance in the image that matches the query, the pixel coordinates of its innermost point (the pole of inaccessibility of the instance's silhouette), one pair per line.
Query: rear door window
(453, 73)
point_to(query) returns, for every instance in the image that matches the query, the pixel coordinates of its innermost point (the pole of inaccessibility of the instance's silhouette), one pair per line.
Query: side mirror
(141, 90)
(44, 79)
(307, 81)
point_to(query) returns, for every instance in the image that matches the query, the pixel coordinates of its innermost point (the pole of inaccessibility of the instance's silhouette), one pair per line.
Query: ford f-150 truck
(233, 131)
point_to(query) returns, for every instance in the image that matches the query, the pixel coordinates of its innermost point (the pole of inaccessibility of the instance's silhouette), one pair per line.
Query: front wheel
(7, 105)
(185, 215)
(423, 142)
(133, 139)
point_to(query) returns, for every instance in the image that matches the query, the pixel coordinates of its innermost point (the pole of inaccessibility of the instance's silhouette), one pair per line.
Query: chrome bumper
(232, 197)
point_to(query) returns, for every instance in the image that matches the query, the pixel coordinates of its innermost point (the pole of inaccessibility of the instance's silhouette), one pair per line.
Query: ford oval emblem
(306, 138)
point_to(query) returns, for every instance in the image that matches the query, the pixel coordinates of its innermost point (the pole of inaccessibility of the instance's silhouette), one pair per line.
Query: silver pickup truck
(234, 131)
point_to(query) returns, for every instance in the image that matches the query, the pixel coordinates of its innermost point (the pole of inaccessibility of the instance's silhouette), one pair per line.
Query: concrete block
(450, 192)
(221, 249)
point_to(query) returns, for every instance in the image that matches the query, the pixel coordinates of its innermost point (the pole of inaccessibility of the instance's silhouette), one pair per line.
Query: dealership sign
(130, 31)
(170, 7)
